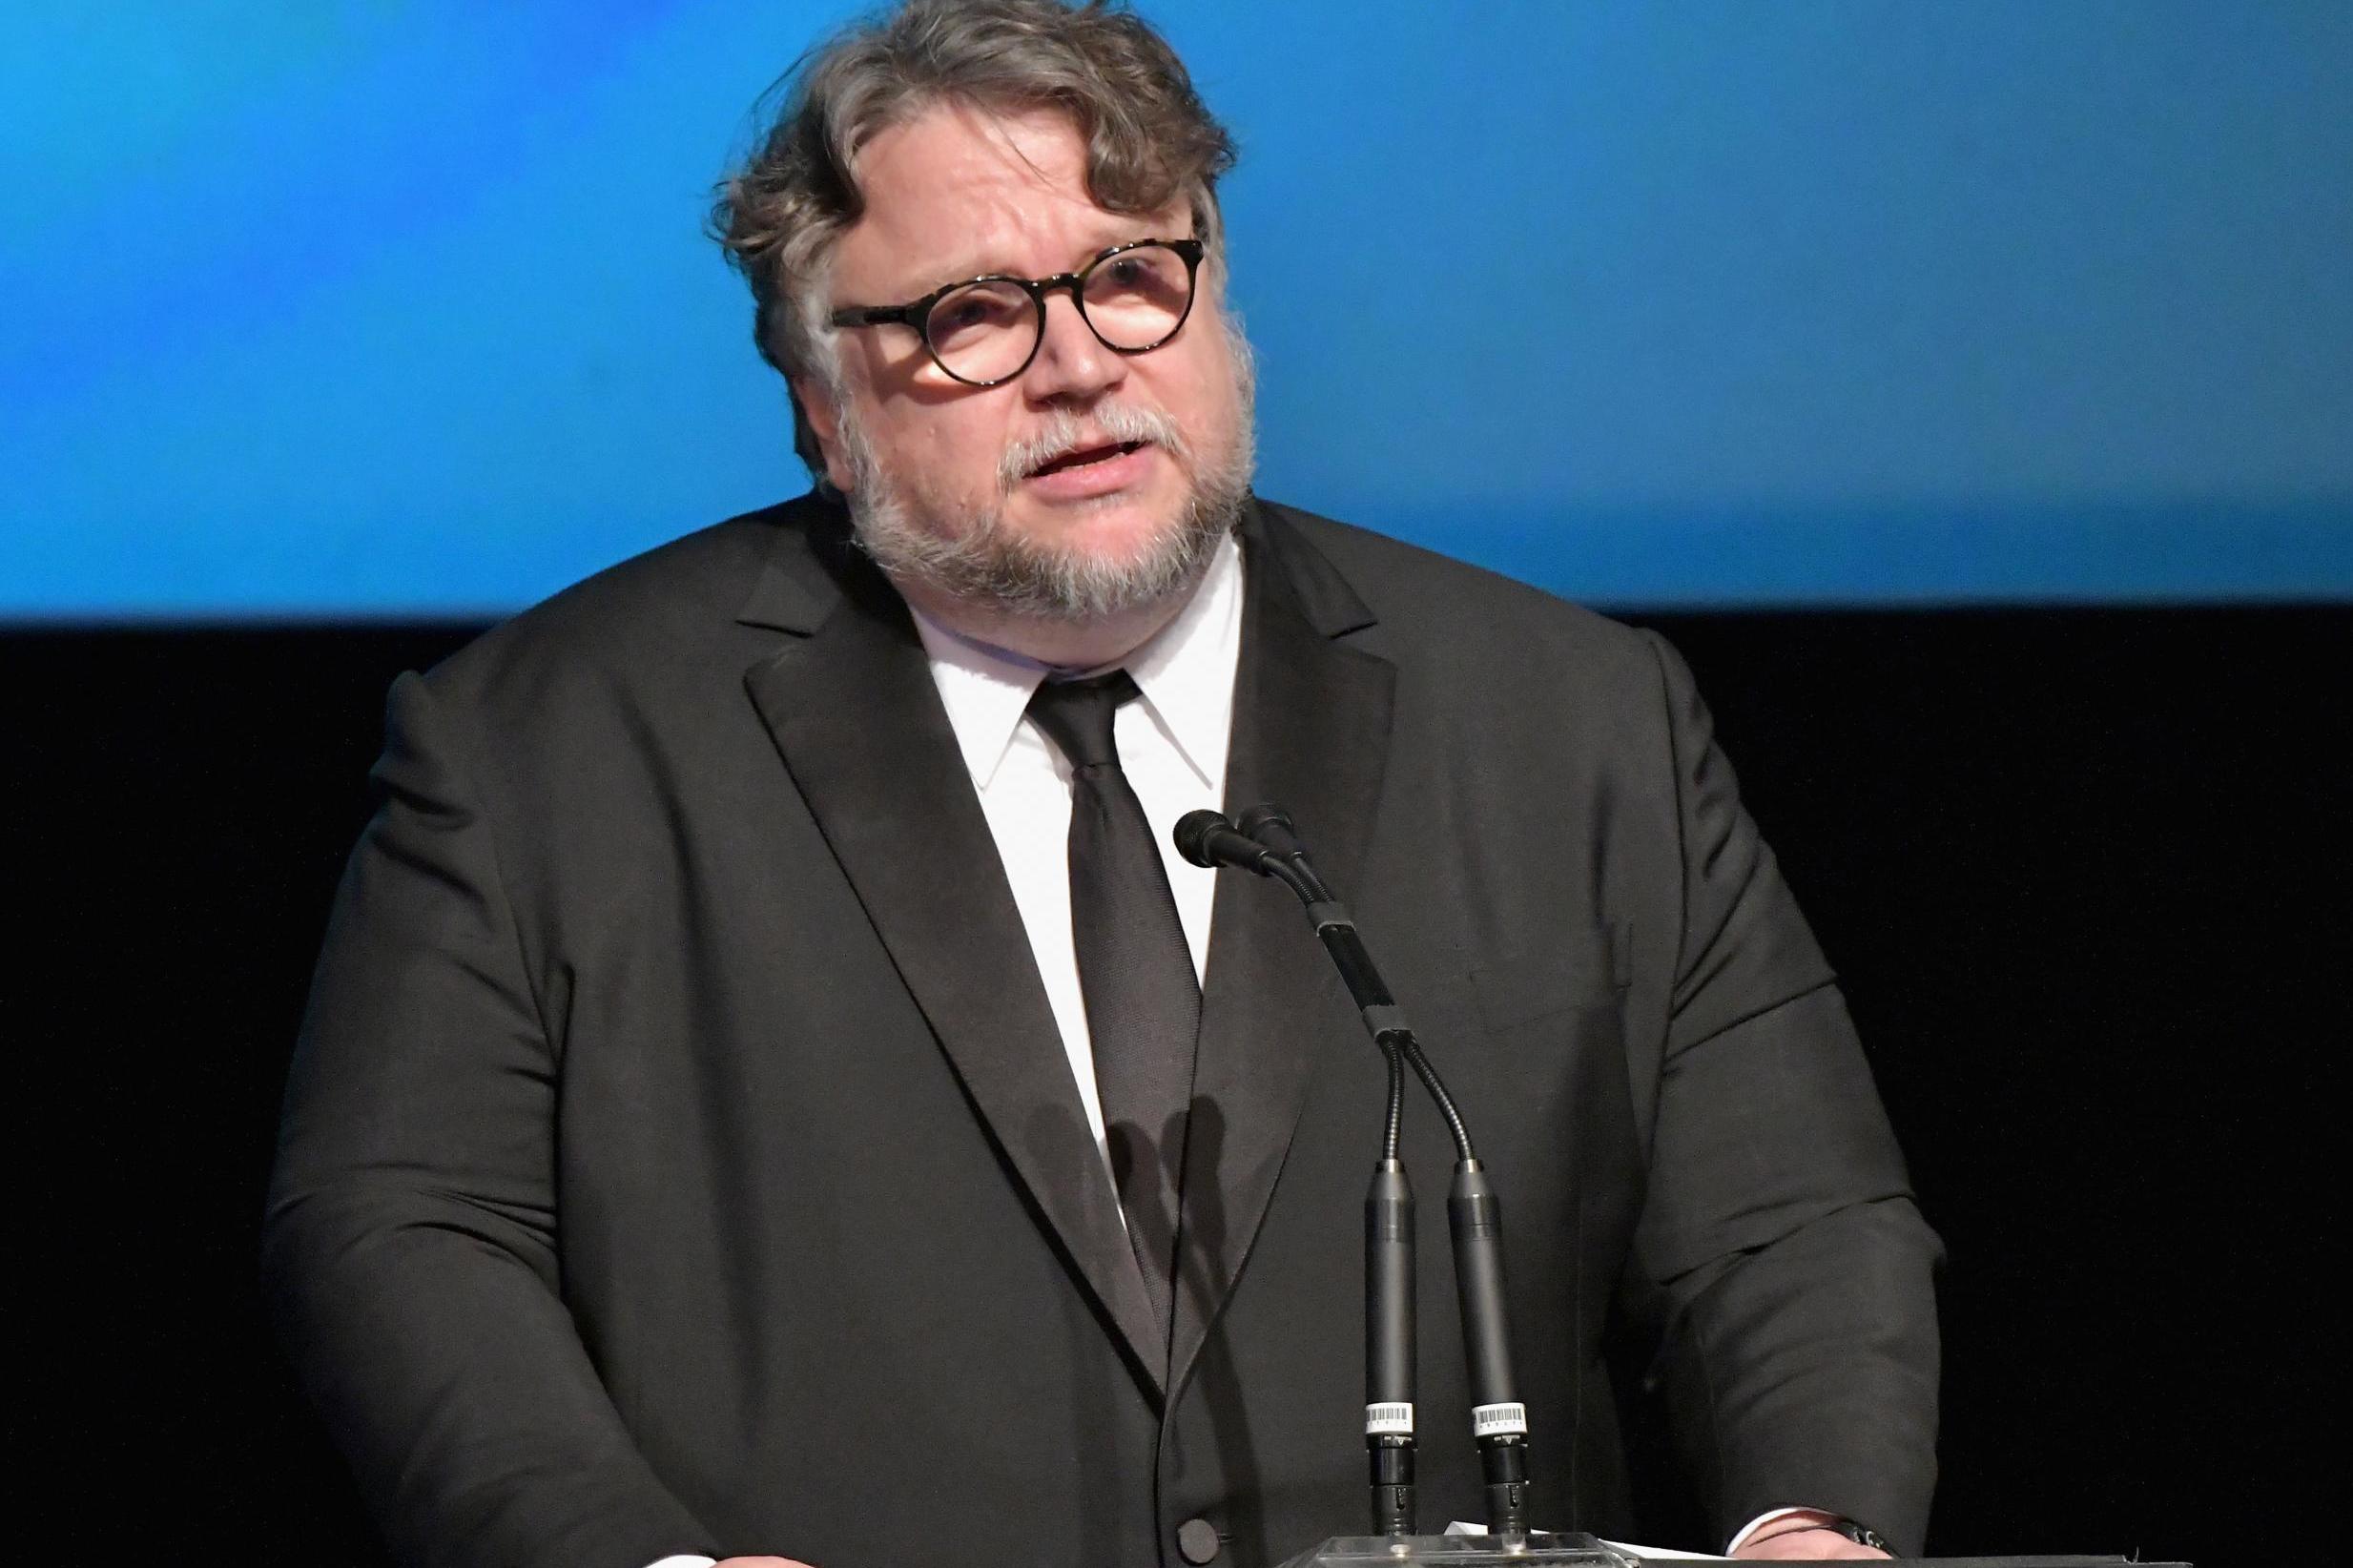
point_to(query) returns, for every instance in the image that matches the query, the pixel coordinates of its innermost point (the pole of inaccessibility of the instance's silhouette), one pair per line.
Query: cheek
(1200, 388)
(961, 449)
(945, 451)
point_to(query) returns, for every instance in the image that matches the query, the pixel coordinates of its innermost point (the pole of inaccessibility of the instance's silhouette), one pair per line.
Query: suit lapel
(1311, 721)
(858, 720)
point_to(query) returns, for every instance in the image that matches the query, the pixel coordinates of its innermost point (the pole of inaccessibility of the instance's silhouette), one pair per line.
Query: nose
(1072, 363)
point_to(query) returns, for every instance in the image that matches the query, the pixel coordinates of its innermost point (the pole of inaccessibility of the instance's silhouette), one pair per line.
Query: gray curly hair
(1150, 142)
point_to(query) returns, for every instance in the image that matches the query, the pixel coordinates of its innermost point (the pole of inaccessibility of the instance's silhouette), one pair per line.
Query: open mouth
(1085, 457)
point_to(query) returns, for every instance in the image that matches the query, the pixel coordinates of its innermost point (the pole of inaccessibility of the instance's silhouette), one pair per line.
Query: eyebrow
(977, 270)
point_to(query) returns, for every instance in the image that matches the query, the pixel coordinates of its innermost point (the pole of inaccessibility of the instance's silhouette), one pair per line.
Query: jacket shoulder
(670, 608)
(1422, 598)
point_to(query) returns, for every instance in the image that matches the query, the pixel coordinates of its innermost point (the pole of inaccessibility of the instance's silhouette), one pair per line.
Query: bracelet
(1863, 1534)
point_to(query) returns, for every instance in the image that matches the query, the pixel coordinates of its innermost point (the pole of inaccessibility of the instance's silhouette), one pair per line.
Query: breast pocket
(1553, 1047)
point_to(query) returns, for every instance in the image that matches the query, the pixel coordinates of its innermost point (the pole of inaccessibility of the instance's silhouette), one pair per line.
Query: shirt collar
(1185, 673)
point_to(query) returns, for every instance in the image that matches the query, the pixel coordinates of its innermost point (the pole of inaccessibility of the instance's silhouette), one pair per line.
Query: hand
(1802, 1537)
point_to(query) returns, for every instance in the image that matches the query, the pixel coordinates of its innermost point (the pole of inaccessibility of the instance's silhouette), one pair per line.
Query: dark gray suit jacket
(680, 1154)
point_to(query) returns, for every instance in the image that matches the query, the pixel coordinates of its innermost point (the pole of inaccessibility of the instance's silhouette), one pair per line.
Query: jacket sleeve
(1779, 1248)
(411, 1238)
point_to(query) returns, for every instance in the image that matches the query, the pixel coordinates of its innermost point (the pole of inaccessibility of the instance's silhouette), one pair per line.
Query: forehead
(958, 191)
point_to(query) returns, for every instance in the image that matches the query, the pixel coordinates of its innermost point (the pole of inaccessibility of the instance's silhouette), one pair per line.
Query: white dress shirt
(1172, 747)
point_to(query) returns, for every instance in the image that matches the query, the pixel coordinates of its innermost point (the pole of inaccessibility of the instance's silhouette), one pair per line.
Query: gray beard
(978, 560)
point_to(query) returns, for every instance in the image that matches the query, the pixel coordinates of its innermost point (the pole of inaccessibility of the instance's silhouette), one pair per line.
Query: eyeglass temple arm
(879, 316)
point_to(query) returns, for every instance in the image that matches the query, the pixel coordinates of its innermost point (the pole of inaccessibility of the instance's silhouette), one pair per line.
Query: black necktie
(1136, 972)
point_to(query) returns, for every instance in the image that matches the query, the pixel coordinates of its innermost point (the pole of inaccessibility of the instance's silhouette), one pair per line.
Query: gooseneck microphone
(1207, 838)
(1266, 844)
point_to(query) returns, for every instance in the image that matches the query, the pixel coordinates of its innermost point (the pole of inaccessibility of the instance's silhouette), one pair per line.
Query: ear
(817, 405)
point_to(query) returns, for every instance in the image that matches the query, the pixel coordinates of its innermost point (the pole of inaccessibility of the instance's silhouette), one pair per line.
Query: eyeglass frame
(917, 312)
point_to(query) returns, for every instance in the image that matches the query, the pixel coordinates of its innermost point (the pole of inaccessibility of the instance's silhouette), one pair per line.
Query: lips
(1085, 456)
(1092, 470)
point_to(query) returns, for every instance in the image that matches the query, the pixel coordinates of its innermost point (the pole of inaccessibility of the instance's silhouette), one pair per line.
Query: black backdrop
(2082, 871)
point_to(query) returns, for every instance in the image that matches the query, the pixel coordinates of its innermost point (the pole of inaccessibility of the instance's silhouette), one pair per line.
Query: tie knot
(1076, 715)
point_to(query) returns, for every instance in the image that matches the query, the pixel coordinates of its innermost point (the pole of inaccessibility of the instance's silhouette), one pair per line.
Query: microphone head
(1271, 826)
(1192, 834)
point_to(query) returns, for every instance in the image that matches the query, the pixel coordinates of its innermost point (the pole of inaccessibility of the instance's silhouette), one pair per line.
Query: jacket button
(1198, 1540)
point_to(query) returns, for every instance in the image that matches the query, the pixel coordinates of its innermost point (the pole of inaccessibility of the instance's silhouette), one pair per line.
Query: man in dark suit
(765, 1090)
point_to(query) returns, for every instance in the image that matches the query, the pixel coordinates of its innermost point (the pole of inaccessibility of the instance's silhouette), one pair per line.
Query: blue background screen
(403, 309)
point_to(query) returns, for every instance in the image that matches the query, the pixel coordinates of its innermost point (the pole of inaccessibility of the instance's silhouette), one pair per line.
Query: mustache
(1105, 424)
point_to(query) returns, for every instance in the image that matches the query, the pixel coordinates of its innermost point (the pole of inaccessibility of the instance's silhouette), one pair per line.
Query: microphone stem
(1498, 1420)
(1396, 1101)
(1389, 1348)
(1410, 1049)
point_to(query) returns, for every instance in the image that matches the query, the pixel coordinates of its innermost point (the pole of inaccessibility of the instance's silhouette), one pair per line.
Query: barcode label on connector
(1389, 1420)
(1498, 1420)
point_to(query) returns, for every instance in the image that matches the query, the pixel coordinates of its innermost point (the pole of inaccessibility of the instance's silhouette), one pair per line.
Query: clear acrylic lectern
(1537, 1549)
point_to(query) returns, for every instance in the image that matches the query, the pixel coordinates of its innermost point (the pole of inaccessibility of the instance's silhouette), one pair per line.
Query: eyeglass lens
(1133, 301)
